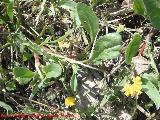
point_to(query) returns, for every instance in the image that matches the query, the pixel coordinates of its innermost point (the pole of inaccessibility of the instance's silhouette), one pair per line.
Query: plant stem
(134, 109)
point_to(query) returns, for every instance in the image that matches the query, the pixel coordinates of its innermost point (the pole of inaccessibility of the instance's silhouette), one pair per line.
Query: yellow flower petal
(137, 88)
(133, 89)
(137, 80)
(69, 101)
(138, 93)
(127, 93)
(126, 89)
(63, 44)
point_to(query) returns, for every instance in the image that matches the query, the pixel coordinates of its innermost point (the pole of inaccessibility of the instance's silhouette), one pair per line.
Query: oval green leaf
(88, 19)
(52, 70)
(138, 7)
(10, 9)
(132, 48)
(153, 10)
(149, 9)
(73, 81)
(5, 106)
(10, 86)
(149, 88)
(107, 47)
(23, 75)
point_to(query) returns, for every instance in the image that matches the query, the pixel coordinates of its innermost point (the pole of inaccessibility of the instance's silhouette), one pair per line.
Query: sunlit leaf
(73, 81)
(10, 9)
(52, 70)
(132, 48)
(68, 5)
(154, 78)
(149, 9)
(152, 11)
(88, 19)
(5, 106)
(138, 7)
(149, 88)
(35, 48)
(10, 86)
(23, 75)
(107, 47)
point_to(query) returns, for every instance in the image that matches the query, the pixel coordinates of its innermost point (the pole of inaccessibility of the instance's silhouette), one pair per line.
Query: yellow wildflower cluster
(69, 101)
(133, 89)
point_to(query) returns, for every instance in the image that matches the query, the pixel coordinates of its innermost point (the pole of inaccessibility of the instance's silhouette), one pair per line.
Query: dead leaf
(141, 64)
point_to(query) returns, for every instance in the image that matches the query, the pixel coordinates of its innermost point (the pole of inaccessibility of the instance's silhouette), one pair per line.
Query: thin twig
(46, 50)
(116, 68)
(143, 111)
(122, 11)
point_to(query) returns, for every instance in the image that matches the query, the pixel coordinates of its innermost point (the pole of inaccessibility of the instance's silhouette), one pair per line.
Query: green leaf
(5, 106)
(35, 48)
(132, 48)
(152, 62)
(10, 86)
(138, 7)
(23, 41)
(73, 81)
(154, 78)
(158, 40)
(10, 9)
(23, 75)
(2, 21)
(48, 82)
(152, 11)
(152, 92)
(149, 9)
(27, 56)
(107, 47)
(68, 5)
(105, 100)
(52, 70)
(71, 6)
(88, 19)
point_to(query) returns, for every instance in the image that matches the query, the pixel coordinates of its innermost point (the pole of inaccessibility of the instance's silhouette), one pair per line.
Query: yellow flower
(120, 28)
(133, 89)
(128, 90)
(63, 44)
(69, 101)
(137, 80)
(137, 88)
